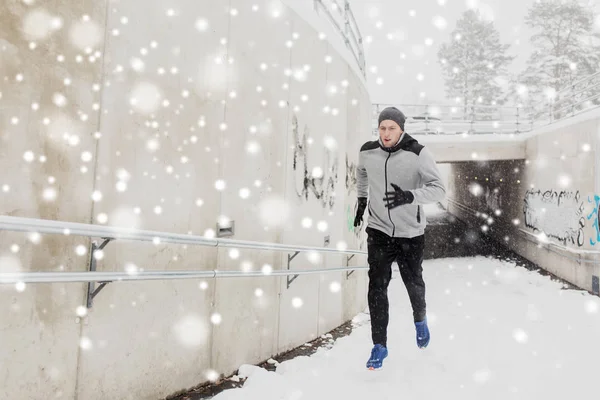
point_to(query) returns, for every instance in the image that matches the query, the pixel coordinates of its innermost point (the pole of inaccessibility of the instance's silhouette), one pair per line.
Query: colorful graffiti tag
(557, 214)
(356, 231)
(349, 219)
(596, 216)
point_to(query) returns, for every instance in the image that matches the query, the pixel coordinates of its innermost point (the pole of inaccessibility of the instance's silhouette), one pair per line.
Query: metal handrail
(95, 276)
(452, 119)
(113, 232)
(349, 30)
(582, 80)
(351, 15)
(580, 96)
(573, 94)
(447, 105)
(571, 105)
(474, 110)
(32, 225)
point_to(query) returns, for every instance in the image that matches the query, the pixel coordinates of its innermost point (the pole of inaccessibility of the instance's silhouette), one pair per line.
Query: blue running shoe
(377, 355)
(422, 333)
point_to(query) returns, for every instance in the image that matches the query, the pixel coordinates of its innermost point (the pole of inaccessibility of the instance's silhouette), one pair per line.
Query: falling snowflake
(313, 257)
(85, 34)
(28, 156)
(335, 287)
(131, 269)
(520, 336)
(216, 318)
(244, 193)
(81, 250)
(85, 343)
(35, 237)
(212, 375)
(267, 269)
(274, 211)
(38, 24)
(297, 302)
(81, 311)
(322, 226)
(191, 331)
(145, 97)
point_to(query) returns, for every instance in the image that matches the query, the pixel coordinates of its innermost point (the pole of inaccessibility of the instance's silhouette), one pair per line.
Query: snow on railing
(578, 97)
(448, 119)
(108, 233)
(581, 96)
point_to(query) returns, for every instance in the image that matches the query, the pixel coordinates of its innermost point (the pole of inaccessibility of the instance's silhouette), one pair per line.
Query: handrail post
(348, 258)
(293, 278)
(92, 290)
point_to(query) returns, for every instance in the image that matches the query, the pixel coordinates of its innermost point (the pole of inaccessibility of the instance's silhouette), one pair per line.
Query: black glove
(398, 197)
(362, 204)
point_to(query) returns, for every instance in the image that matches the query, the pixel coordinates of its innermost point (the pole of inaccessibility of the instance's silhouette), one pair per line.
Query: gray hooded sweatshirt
(407, 164)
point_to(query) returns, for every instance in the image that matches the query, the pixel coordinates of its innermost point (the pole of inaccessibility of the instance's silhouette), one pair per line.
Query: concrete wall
(152, 105)
(544, 207)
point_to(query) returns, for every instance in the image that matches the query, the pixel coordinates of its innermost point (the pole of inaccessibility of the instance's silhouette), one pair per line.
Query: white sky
(409, 33)
(497, 332)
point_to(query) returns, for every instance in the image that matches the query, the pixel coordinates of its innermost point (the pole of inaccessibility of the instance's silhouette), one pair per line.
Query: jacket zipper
(386, 188)
(419, 214)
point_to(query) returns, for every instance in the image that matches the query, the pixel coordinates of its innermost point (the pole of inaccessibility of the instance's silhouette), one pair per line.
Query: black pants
(382, 251)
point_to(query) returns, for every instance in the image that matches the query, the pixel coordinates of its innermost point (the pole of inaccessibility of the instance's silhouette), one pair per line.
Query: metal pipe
(332, 20)
(73, 228)
(592, 97)
(354, 20)
(575, 93)
(71, 277)
(343, 11)
(447, 106)
(584, 79)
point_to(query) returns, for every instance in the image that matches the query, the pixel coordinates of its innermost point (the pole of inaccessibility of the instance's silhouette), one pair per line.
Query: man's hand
(362, 204)
(398, 197)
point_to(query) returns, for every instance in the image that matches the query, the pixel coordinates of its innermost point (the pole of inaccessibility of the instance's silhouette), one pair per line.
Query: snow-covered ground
(498, 332)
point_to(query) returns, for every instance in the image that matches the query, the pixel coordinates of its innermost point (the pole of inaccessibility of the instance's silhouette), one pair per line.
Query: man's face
(389, 132)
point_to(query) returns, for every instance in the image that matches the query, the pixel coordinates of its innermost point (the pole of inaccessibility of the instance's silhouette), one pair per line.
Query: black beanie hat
(392, 113)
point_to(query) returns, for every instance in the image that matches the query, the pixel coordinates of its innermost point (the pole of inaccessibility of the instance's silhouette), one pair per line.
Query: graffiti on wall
(322, 185)
(351, 186)
(556, 214)
(350, 220)
(596, 218)
(351, 179)
(320, 181)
